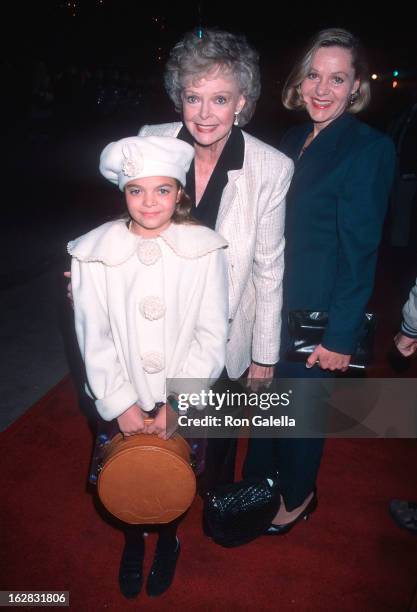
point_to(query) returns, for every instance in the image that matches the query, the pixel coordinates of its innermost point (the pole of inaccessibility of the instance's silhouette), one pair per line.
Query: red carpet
(349, 556)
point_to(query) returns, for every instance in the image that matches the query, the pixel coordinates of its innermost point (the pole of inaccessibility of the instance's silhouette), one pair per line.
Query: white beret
(138, 157)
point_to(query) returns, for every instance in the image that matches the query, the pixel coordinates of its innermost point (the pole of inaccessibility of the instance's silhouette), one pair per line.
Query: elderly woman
(335, 212)
(237, 185)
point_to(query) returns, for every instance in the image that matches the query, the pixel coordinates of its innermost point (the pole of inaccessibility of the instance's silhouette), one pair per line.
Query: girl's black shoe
(131, 572)
(162, 571)
(304, 515)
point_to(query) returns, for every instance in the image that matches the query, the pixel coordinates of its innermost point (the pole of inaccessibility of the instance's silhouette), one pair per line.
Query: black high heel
(304, 515)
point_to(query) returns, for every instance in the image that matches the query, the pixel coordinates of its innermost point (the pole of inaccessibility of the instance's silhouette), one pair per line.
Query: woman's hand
(407, 346)
(328, 360)
(69, 288)
(259, 376)
(164, 424)
(131, 421)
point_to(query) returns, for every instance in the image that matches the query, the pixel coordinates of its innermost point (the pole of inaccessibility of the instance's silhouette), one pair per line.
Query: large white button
(152, 307)
(153, 362)
(148, 252)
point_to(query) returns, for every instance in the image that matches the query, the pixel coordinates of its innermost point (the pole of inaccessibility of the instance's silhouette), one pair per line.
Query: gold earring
(353, 97)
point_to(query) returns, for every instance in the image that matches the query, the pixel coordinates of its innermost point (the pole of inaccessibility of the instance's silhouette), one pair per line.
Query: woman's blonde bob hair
(333, 37)
(199, 54)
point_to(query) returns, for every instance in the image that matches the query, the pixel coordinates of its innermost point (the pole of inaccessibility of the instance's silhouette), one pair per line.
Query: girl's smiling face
(151, 203)
(329, 84)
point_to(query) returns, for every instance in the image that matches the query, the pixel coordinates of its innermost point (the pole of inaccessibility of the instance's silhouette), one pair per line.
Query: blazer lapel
(229, 194)
(324, 145)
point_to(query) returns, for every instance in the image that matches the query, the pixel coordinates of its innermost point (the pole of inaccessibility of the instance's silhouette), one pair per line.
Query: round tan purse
(146, 480)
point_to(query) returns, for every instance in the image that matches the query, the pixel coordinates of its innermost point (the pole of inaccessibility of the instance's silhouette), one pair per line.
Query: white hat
(138, 157)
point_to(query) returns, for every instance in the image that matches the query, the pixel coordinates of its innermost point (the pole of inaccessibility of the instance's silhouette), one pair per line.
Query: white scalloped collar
(112, 243)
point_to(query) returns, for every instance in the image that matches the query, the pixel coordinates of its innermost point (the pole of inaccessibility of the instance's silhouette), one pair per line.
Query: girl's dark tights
(167, 539)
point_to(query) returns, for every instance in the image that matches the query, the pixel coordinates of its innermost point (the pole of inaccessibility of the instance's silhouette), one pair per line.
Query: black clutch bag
(306, 329)
(237, 513)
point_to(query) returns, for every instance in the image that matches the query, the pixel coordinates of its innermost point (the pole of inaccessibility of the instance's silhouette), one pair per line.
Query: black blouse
(231, 158)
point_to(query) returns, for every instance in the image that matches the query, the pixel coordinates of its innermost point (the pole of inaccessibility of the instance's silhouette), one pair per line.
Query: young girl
(150, 301)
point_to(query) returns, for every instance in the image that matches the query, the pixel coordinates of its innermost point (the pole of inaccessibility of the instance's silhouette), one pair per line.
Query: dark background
(85, 36)
(131, 30)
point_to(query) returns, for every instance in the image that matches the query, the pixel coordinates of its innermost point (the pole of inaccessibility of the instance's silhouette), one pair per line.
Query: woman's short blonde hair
(333, 37)
(200, 53)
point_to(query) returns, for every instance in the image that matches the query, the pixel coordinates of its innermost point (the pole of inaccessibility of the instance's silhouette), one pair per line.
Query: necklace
(306, 144)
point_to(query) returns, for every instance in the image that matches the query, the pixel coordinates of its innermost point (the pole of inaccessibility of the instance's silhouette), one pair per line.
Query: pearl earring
(236, 121)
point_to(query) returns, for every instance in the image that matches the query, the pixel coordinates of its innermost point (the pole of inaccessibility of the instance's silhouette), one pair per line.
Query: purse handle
(148, 420)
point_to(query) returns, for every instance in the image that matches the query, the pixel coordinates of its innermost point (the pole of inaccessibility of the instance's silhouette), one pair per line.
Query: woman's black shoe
(304, 515)
(404, 514)
(162, 571)
(130, 572)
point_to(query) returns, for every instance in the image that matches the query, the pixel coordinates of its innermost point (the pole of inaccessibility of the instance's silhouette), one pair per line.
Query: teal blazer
(336, 206)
